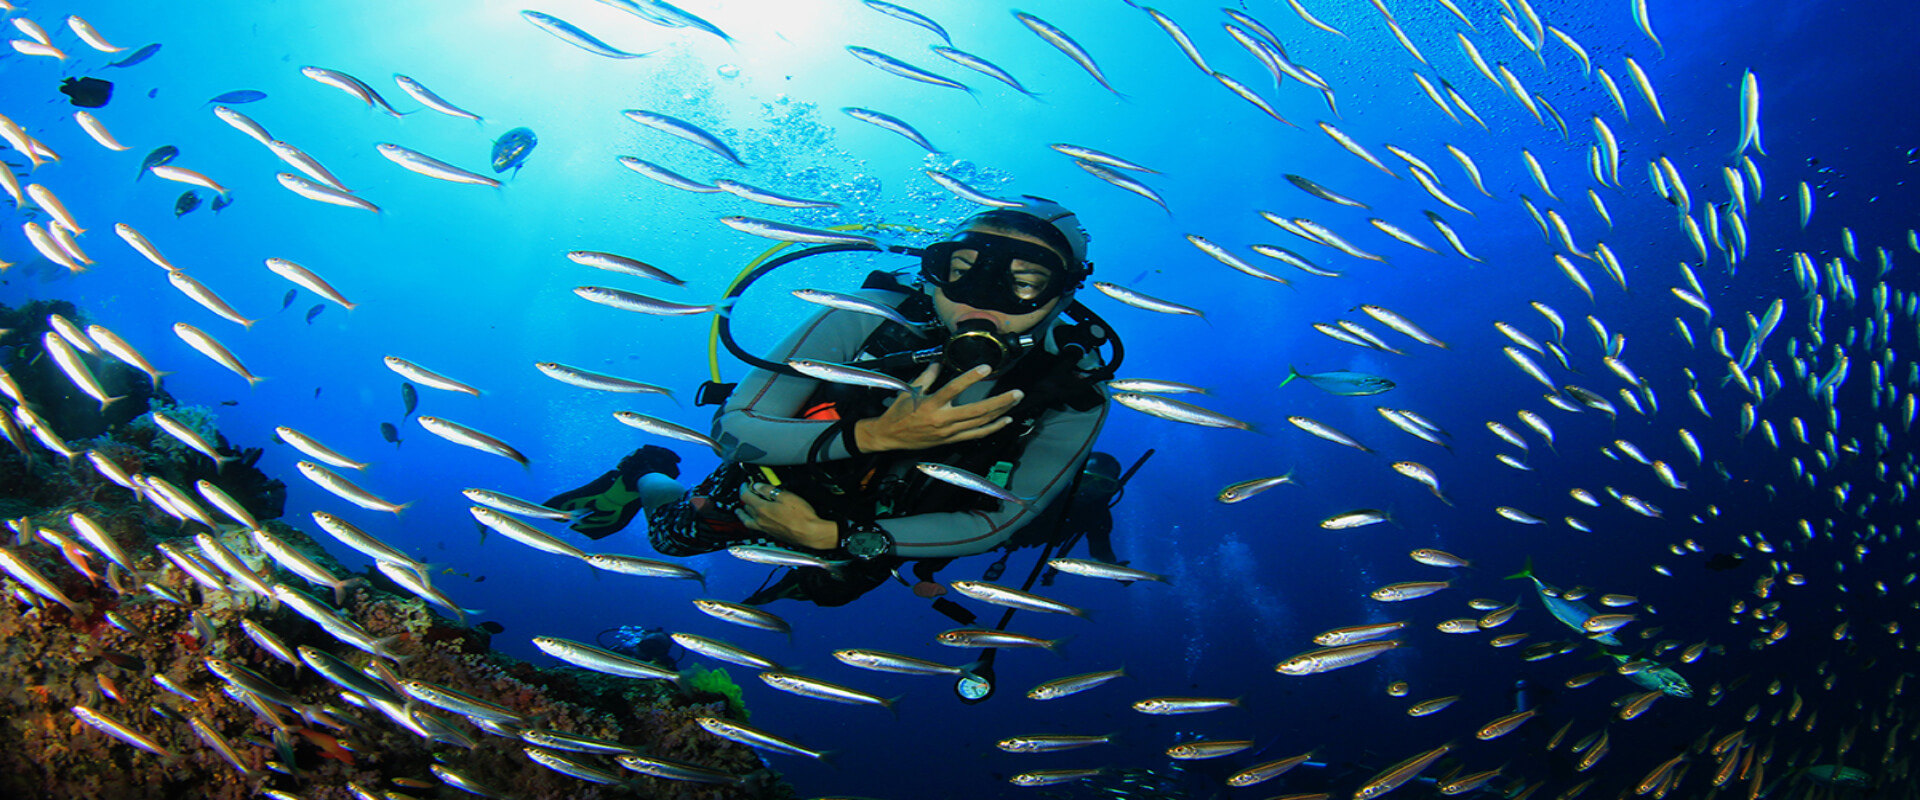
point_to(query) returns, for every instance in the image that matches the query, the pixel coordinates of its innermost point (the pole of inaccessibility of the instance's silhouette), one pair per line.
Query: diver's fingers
(960, 383)
(982, 431)
(927, 376)
(988, 407)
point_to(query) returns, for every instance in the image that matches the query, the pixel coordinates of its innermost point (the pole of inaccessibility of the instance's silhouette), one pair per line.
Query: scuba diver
(651, 645)
(1006, 380)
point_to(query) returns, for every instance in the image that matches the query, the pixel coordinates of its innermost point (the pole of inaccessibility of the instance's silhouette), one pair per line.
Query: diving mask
(997, 273)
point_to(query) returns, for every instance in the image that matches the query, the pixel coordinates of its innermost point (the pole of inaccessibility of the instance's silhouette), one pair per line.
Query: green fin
(1525, 573)
(1291, 374)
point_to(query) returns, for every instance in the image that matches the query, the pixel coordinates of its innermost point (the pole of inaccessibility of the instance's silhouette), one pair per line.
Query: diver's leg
(606, 504)
(695, 521)
(657, 490)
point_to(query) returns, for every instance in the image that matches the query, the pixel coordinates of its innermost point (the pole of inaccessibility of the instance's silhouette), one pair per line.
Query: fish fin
(1058, 646)
(1291, 374)
(1524, 573)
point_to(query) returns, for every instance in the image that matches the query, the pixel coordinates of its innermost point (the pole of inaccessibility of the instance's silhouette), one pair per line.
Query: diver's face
(1029, 280)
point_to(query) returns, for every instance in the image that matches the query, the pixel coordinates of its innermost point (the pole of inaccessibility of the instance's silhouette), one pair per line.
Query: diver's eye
(962, 261)
(1029, 282)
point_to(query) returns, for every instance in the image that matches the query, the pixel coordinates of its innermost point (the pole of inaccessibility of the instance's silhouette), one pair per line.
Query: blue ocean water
(473, 282)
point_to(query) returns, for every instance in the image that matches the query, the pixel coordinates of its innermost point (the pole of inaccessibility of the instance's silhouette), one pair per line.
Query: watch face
(866, 544)
(973, 687)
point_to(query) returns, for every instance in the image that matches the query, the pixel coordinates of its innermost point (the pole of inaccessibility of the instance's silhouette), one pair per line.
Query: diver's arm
(1045, 469)
(760, 422)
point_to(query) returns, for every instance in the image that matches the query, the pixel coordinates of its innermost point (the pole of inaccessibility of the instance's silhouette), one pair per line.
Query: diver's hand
(917, 420)
(786, 516)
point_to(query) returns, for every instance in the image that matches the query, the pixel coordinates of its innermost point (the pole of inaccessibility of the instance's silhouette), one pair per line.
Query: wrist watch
(865, 540)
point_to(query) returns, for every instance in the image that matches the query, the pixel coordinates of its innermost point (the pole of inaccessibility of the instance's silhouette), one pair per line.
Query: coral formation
(94, 635)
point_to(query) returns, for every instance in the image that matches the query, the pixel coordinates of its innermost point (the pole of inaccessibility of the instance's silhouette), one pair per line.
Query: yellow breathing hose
(713, 332)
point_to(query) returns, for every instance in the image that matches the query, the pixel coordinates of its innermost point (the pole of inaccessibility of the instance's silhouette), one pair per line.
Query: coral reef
(111, 633)
(58, 401)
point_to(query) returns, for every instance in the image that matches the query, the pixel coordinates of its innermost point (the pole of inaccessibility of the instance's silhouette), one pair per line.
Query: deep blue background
(473, 282)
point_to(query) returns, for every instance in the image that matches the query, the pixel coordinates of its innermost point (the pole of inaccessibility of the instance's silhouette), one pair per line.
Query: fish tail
(1058, 646)
(1291, 374)
(1524, 573)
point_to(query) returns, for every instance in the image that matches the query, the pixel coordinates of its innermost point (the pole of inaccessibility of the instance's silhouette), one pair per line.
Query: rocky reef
(85, 645)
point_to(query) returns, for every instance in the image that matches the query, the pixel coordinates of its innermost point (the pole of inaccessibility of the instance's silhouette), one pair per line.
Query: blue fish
(314, 312)
(291, 293)
(239, 96)
(1658, 678)
(160, 155)
(1572, 613)
(138, 56)
(512, 149)
(1343, 384)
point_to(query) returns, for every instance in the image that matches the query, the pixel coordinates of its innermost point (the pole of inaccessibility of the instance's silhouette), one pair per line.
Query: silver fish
(1059, 39)
(783, 232)
(909, 15)
(982, 66)
(348, 490)
(1177, 411)
(623, 265)
(587, 656)
(684, 130)
(351, 85)
(523, 533)
(969, 481)
(426, 377)
(880, 661)
(1097, 157)
(1124, 182)
(1146, 302)
(426, 97)
(754, 738)
(850, 376)
(213, 349)
(894, 66)
(714, 648)
(463, 435)
(666, 176)
(1327, 432)
(629, 301)
(323, 193)
(571, 34)
(660, 427)
(890, 123)
(855, 304)
(423, 164)
(965, 192)
(766, 197)
(587, 379)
